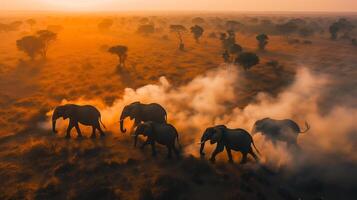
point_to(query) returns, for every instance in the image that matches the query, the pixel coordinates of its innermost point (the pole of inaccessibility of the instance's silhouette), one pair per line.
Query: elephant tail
(100, 120)
(307, 128)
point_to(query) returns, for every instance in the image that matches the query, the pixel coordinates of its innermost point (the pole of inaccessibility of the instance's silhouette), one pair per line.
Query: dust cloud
(211, 99)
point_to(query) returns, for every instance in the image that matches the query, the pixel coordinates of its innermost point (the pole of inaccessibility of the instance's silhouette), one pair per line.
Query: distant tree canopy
(105, 24)
(121, 51)
(36, 44)
(13, 26)
(247, 60)
(146, 29)
(197, 32)
(262, 41)
(198, 20)
(179, 30)
(287, 28)
(31, 22)
(31, 45)
(233, 25)
(230, 47)
(47, 37)
(342, 25)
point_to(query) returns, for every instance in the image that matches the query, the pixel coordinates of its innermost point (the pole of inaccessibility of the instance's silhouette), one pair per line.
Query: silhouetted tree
(121, 51)
(306, 32)
(354, 41)
(226, 56)
(31, 22)
(46, 37)
(179, 30)
(262, 41)
(146, 29)
(341, 25)
(234, 50)
(247, 60)
(105, 24)
(31, 45)
(197, 32)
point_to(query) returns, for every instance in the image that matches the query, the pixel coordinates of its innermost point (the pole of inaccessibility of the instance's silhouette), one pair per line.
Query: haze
(162, 5)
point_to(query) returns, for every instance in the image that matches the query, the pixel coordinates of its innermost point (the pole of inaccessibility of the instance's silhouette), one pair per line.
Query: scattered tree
(226, 56)
(247, 60)
(31, 22)
(46, 37)
(262, 41)
(341, 25)
(233, 25)
(179, 30)
(146, 29)
(354, 42)
(121, 51)
(31, 45)
(105, 24)
(234, 50)
(197, 32)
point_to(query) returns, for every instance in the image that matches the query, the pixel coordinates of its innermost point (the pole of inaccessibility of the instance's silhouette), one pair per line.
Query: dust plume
(210, 99)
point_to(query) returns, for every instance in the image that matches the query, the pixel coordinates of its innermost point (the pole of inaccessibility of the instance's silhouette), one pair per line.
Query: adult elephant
(86, 115)
(143, 113)
(285, 130)
(231, 139)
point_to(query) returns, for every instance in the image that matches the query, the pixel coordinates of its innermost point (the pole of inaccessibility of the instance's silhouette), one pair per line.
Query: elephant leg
(153, 149)
(145, 143)
(251, 152)
(69, 128)
(244, 158)
(78, 130)
(229, 154)
(218, 149)
(93, 132)
(136, 123)
(169, 152)
(100, 130)
(177, 153)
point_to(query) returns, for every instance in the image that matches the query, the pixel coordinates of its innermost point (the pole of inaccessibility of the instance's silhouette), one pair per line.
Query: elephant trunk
(54, 119)
(122, 129)
(202, 147)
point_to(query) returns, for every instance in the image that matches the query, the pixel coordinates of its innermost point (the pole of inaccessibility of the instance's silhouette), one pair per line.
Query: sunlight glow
(75, 4)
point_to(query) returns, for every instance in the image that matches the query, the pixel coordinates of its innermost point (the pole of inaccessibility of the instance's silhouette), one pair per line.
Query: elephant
(143, 113)
(161, 133)
(231, 139)
(86, 115)
(285, 130)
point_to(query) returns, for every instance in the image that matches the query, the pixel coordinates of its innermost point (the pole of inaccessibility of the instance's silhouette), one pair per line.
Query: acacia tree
(247, 60)
(31, 22)
(197, 32)
(179, 30)
(262, 41)
(341, 25)
(31, 45)
(121, 51)
(46, 37)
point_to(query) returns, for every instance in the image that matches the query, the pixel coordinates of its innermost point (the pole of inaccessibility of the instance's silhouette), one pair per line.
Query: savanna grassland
(314, 79)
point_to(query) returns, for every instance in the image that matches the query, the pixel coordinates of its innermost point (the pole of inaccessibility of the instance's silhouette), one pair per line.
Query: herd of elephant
(150, 120)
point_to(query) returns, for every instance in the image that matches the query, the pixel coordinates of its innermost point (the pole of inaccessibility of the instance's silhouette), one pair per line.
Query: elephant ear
(148, 129)
(135, 111)
(217, 135)
(67, 112)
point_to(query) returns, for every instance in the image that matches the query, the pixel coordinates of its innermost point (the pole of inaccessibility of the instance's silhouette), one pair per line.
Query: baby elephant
(86, 115)
(161, 133)
(231, 139)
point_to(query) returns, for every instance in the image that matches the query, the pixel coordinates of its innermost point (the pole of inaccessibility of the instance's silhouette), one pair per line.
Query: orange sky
(210, 5)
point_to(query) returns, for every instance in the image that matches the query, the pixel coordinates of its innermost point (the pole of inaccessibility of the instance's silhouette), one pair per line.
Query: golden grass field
(36, 164)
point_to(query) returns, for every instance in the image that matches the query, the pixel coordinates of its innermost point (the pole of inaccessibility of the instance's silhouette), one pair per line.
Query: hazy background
(204, 5)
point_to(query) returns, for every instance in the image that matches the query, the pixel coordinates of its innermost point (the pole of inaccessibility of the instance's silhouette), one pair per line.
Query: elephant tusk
(200, 142)
(133, 135)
